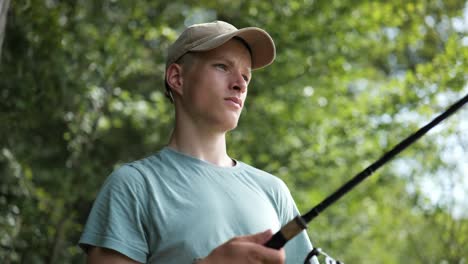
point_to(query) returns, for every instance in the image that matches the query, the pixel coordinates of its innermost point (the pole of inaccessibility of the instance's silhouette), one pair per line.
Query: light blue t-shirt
(173, 208)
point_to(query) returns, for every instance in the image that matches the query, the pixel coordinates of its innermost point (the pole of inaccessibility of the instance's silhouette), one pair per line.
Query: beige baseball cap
(207, 36)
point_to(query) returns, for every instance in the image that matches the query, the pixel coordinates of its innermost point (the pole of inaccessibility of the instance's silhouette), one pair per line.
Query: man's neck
(203, 145)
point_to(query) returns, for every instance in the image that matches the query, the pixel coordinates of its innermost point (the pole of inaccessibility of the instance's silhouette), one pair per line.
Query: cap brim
(259, 41)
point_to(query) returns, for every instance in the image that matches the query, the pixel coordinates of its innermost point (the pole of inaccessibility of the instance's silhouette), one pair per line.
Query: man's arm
(243, 249)
(98, 255)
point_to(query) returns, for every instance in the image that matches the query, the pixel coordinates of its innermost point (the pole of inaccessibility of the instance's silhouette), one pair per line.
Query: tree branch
(3, 17)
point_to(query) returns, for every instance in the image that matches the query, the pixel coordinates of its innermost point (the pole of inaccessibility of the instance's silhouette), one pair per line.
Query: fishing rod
(299, 223)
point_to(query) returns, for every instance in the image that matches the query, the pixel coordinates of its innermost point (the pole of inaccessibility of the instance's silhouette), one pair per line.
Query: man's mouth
(234, 100)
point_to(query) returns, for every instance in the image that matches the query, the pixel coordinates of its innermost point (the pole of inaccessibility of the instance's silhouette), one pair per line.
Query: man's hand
(246, 249)
(98, 255)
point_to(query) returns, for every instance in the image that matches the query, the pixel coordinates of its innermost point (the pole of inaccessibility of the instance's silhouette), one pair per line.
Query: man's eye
(221, 66)
(246, 79)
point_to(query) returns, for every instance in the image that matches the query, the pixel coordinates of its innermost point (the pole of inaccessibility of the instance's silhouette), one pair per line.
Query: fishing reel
(316, 252)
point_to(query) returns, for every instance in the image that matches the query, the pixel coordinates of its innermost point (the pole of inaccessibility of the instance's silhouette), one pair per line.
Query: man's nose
(239, 83)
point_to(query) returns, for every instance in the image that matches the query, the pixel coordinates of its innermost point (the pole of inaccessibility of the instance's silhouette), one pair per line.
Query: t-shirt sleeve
(299, 247)
(117, 218)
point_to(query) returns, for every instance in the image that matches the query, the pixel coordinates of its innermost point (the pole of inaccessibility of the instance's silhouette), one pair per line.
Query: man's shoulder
(254, 170)
(264, 176)
(152, 162)
(140, 169)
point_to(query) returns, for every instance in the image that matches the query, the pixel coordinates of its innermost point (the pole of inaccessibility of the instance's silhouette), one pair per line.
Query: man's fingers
(247, 249)
(259, 238)
(267, 255)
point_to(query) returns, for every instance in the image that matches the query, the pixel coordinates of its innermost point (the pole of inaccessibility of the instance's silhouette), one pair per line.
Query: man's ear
(174, 78)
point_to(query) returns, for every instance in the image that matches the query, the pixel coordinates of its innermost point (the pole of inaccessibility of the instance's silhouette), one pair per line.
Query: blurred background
(81, 92)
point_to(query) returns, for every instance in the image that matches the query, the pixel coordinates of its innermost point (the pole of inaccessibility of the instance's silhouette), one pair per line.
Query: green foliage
(82, 91)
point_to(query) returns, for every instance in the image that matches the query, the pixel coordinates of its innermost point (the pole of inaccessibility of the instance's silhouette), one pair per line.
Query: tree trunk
(4, 4)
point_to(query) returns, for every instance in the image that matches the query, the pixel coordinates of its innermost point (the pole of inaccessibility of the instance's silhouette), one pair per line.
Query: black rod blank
(299, 223)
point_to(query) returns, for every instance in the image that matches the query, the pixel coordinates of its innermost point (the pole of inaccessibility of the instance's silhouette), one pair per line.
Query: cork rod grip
(286, 233)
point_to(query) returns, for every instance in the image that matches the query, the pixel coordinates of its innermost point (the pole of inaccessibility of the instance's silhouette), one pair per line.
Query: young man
(191, 202)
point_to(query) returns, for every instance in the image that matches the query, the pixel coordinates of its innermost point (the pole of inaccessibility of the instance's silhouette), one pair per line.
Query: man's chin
(231, 125)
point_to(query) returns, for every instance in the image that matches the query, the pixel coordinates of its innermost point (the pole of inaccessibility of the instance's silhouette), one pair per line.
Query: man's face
(215, 86)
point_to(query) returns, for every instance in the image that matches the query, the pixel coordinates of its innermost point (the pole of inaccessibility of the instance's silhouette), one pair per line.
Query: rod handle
(288, 231)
